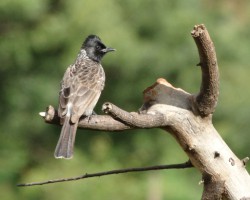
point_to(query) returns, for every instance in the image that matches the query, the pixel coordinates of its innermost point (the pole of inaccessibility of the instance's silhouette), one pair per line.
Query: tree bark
(188, 118)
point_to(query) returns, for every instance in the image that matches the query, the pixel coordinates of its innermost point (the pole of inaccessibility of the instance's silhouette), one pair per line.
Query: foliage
(40, 38)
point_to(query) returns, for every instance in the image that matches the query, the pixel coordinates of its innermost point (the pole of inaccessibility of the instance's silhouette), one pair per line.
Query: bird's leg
(89, 116)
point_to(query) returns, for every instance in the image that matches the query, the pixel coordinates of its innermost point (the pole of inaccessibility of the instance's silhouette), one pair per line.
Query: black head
(94, 48)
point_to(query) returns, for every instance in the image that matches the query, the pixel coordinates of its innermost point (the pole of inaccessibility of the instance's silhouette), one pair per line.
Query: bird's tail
(65, 145)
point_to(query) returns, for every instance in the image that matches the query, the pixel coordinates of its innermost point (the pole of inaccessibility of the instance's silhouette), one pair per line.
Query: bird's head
(94, 48)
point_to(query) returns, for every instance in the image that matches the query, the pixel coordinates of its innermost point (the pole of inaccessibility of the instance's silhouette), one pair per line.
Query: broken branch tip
(42, 114)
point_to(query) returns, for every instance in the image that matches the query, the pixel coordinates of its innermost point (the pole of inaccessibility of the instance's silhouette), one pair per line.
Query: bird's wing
(65, 91)
(81, 89)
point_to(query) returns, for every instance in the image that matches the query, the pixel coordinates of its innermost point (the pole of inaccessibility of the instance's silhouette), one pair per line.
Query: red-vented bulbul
(81, 88)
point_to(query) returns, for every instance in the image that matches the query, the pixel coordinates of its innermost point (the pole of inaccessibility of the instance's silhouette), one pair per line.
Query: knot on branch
(245, 160)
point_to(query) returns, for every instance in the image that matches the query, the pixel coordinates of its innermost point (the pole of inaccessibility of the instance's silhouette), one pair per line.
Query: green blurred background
(40, 38)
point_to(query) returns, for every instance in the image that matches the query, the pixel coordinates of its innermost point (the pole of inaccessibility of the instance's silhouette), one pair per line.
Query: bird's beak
(108, 49)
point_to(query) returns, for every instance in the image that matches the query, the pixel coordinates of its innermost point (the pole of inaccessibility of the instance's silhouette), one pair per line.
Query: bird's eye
(98, 47)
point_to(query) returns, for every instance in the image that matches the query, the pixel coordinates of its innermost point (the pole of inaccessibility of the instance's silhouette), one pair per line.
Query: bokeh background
(40, 38)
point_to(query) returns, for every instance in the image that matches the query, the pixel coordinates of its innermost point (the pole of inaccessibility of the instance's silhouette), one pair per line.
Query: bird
(81, 88)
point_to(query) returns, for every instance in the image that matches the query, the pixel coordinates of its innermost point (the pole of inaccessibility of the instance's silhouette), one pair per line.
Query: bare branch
(207, 98)
(117, 171)
(118, 121)
(133, 118)
(96, 122)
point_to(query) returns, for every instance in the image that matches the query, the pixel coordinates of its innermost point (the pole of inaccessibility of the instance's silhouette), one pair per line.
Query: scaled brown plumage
(81, 88)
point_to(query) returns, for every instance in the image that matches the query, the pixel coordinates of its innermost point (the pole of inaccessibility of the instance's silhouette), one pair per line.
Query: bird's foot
(90, 116)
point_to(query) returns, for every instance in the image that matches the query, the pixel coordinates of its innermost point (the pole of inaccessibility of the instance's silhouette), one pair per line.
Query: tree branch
(97, 122)
(134, 119)
(206, 100)
(117, 171)
(118, 120)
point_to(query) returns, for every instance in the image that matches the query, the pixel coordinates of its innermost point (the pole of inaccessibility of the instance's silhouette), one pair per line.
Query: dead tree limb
(96, 122)
(206, 100)
(188, 118)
